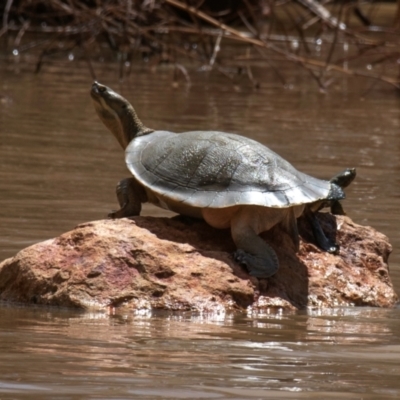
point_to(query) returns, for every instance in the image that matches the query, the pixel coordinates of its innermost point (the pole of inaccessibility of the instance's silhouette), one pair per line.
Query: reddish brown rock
(173, 264)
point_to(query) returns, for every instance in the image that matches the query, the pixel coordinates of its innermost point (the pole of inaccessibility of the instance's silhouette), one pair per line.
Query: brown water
(59, 167)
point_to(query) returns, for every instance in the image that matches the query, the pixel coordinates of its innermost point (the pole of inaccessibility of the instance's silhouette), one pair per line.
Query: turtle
(226, 179)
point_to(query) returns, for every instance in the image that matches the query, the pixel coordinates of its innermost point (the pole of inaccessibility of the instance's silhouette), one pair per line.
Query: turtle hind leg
(322, 241)
(259, 257)
(260, 266)
(130, 197)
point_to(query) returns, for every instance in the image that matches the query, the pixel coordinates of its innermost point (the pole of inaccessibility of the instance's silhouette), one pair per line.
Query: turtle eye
(102, 89)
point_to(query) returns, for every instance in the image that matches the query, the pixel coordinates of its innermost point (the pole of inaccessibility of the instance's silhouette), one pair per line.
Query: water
(59, 167)
(350, 354)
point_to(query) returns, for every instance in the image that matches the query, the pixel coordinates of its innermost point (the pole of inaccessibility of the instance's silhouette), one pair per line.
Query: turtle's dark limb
(130, 197)
(322, 241)
(259, 257)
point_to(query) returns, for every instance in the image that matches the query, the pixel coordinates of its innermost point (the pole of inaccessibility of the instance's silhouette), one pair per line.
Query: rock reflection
(342, 325)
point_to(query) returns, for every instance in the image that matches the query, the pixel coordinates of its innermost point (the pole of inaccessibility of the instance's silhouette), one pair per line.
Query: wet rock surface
(180, 264)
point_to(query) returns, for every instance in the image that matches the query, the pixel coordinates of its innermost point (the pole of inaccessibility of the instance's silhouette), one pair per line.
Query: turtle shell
(217, 169)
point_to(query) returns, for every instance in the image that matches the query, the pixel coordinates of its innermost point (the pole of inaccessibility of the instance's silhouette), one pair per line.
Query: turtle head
(117, 114)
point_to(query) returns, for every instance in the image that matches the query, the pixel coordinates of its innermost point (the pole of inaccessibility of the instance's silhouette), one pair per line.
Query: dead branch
(271, 32)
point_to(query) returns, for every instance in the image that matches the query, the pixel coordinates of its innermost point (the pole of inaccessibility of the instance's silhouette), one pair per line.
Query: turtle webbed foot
(258, 266)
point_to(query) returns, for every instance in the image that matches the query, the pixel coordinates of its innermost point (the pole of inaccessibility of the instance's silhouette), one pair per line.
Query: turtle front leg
(322, 241)
(252, 251)
(130, 195)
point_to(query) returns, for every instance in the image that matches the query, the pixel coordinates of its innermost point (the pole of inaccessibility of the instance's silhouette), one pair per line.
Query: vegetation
(325, 37)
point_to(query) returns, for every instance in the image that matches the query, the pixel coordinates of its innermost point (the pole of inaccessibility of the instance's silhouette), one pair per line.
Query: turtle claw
(333, 248)
(259, 267)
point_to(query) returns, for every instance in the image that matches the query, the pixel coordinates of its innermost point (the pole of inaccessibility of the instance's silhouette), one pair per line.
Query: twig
(217, 48)
(323, 13)
(21, 32)
(332, 47)
(7, 8)
(290, 56)
(162, 29)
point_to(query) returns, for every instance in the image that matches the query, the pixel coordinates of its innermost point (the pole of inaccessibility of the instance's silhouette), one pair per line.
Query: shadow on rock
(291, 281)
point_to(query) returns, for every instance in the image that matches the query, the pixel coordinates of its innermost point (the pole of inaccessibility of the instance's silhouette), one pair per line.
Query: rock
(177, 264)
